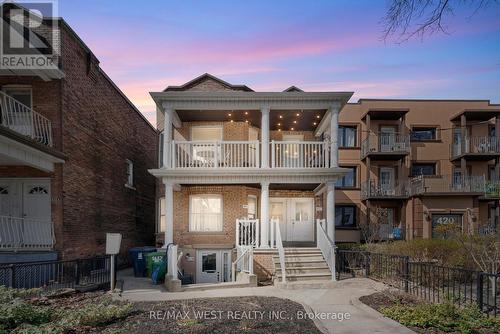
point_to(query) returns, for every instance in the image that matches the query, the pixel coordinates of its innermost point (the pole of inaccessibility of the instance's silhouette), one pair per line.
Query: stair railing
(326, 245)
(281, 250)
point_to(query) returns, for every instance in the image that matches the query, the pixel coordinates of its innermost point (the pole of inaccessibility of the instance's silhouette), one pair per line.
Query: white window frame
(19, 88)
(162, 211)
(190, 213)
(130, 174)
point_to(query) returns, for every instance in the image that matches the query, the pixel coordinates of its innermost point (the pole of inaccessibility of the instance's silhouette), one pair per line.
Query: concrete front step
(306, 277)
(299, 258)
(214, 286)
(305, 270)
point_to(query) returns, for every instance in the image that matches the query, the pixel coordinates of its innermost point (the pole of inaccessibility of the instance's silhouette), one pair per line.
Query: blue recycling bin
(138, 258)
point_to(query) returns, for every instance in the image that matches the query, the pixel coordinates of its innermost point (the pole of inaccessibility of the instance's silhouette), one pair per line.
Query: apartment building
(419, 168)
(243, 171)
(74, 154)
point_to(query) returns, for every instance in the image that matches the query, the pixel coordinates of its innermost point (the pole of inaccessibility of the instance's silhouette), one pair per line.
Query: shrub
(445, 317)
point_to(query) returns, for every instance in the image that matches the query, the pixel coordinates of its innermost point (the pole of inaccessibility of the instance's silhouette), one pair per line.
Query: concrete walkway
(343, 297)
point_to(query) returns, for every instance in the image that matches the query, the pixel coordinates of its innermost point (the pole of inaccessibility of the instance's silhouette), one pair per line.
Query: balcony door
(18, 109)
(387, 180)
(387, 138)
(295, 217)
(293, 154)
(205, 150)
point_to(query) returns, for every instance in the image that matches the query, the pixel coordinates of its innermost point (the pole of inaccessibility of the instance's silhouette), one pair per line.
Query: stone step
(305, 270)
(306, 277)
(214, 286)
(299, 258)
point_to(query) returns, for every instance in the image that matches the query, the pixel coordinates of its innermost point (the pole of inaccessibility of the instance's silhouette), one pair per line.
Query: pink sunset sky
(271, 45)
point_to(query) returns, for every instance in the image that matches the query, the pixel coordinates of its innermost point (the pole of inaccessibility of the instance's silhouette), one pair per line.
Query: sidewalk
(342, 298)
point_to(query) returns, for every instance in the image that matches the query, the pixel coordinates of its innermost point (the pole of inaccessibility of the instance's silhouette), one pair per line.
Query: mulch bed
(217, 315)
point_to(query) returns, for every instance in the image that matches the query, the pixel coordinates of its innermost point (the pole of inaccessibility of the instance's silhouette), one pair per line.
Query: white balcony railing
(374, 189)
(385, 143)
(24, 120)
(247, 154)
(447, 184)
(300, 154)
(25, 234)
(215, 154)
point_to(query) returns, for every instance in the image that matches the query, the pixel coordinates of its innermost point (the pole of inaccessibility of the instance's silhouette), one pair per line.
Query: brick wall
(100, 131)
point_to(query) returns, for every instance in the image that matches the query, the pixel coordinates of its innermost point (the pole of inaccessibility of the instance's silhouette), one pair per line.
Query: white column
(334, 129)
(264, 134)
(169, 213)
(330, 210)
(264, 214)
(167, 136)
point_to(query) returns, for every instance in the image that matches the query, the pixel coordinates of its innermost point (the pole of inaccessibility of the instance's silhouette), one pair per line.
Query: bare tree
(416, 18)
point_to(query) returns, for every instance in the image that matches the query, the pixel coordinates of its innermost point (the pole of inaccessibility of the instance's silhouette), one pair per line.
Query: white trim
(27, 155)
(207, 195)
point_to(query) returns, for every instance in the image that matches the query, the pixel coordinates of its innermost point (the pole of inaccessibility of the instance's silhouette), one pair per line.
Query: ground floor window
(446, 225)
(161, 212)
(345, 215)
(205, 213)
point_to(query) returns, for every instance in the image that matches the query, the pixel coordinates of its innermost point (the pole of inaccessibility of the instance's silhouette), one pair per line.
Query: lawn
(24, 311)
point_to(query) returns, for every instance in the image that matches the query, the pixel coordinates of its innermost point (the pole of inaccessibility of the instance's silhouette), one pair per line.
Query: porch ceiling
(282, 120)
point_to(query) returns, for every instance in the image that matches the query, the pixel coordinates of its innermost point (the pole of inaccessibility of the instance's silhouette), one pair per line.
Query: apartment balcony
(476, 148)
(24, 120)
(447, 185)
(375, 190)
(492, 189)
(385, 146)
(25, 234)
(247, 155)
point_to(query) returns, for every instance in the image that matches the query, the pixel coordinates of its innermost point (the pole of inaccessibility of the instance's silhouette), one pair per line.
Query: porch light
(279, 130)
(246, 112)
(291, 129)
(315, 123)
(295, 122)
(318, 116)
(279, 124)
(232, 121)
(281, 116)
(246, 121)
(229, 114)
(298, 114)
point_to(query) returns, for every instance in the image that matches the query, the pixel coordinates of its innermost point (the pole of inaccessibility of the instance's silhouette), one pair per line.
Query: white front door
(25, 198)
(278, 211)
(302, 220)
(213, 266)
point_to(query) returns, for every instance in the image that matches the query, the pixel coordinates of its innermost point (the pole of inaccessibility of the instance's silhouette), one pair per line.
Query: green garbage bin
(154, 260)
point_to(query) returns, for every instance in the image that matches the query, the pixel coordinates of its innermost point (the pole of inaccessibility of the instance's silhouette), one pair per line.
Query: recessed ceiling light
(229, 114)
(318, 116)
(281, 116)
(291, 129)
(279, 129)
(246, 112)
(246, 121)
(279, 124)
(298, 114)
(232, 121)
(295, 122)
(315, 123)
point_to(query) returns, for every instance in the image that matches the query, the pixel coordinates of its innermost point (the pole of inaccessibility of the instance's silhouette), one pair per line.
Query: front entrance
(25, 198)
(213, 266)
(295, 217)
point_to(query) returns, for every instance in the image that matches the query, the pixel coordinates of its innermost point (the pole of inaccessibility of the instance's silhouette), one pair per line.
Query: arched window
(38, 191)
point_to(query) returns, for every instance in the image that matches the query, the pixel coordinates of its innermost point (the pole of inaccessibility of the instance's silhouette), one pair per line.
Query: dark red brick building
(74, 154)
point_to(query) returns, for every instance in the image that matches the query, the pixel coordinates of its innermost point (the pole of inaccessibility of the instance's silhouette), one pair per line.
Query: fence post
(367, 264)
(77, 273)
(406, 273)
(479, 292)
(12, 276)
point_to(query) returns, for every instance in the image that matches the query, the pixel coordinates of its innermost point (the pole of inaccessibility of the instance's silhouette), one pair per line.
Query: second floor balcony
(447, 184)
(248, 154)
(24, 120)
(385, 146)
(475, 148)
(372, 189)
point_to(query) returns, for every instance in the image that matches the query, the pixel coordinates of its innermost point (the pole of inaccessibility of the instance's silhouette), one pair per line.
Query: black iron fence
(427, 281)
(81, 274)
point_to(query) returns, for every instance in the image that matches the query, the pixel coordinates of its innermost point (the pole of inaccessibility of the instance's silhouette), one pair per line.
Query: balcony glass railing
(24, 120)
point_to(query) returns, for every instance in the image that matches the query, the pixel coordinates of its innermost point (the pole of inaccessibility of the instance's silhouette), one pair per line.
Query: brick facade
(97, 129)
